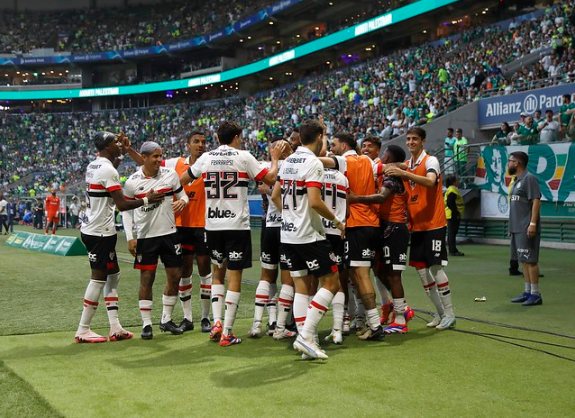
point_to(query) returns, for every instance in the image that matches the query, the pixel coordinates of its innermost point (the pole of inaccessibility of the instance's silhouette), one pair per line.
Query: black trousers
(452, 229)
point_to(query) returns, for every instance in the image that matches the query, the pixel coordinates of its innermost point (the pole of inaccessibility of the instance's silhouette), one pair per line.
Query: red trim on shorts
(110, 265)
(418, 264)
(334, 268)
(147, 267)
(188, 247)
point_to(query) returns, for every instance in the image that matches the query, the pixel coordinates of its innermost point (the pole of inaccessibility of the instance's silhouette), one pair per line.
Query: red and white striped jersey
(274, 216)
(155, 219)
(102, 179)
(226, 172)
(334, 195)
(301, 224)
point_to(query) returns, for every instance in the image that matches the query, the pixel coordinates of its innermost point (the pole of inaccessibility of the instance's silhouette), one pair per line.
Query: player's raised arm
(275, 153)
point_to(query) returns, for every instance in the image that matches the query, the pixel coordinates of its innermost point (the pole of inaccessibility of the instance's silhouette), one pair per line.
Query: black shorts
(362, 244)
(167, 247)
(270, 251)
(315, 258)
(231, 245)
(193, 241)
(394, 238)
(101, 251)
(428, 248)
(525, 249)
(338, 247)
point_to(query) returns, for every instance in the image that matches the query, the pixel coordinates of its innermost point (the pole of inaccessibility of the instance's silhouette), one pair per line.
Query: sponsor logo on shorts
(312, 265)
(216, 255)
(285, 260)
(403, 257)
(218, 213)
(437, 255)
(369, 254)
(92, 257)
(335, 258)
(236, 256)
(266, 257)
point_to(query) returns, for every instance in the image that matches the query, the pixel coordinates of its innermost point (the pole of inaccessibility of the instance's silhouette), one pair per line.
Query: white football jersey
(274, 216)
(226, 172)
(102, 179)
(334, 195)
(155, 219)
(301, 224)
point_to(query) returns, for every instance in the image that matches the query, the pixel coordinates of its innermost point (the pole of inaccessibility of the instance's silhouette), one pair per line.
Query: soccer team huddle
(329, 221)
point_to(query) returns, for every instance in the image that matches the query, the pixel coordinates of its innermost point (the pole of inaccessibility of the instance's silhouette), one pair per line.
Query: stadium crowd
(113, 29)
(382, 97)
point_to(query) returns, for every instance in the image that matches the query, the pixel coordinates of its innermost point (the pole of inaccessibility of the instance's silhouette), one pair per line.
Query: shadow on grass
(20, 399)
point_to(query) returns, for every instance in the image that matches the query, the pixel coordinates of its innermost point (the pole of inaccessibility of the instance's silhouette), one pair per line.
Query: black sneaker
(206, 325)
(171, 327)
(515, 273)
(373, 335)
(270, 328)
(186, 325)
(147, 333)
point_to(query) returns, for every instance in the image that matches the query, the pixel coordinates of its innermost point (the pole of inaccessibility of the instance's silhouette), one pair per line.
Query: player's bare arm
(122, 204)
(380, 197)
(429, 180)
(275, 153)
(277, 195)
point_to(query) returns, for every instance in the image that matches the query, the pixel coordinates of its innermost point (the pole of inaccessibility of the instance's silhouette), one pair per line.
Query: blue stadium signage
(508, 108)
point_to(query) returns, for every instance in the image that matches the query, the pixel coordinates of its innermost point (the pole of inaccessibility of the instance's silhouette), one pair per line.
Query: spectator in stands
(460, 152)
(549, 129)
(448, 147)
(454, 208)
(501, 137)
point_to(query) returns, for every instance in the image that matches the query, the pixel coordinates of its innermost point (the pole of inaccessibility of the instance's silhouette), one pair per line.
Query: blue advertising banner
(154, 50)
(509, 107)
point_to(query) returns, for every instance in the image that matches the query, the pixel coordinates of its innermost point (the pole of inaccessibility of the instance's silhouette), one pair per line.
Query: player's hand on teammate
(278, 150)
(394, 171)
(125, 143)
(132, 246)
(154, 197)
(178, 205)
(341, 227)
(263, 188)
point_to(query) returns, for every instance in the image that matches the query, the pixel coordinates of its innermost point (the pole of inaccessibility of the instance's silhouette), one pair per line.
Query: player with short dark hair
(395, 237)
(98, 234)
(426, 216)
(304, 247)
(226, 172)
(52, 211)
(157, 235)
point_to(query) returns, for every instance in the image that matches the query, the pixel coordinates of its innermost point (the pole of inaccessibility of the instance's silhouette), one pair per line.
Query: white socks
(232, 302)
(185, 294)
(218, 291)
(91, 297)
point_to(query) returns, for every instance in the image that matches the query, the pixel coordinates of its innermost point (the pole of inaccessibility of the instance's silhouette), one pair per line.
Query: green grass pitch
(501, 360)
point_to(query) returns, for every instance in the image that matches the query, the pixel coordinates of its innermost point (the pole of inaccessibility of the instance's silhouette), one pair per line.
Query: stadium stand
(381, 97)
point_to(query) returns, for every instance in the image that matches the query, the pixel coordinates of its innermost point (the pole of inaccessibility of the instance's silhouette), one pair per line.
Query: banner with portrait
(552, 164)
